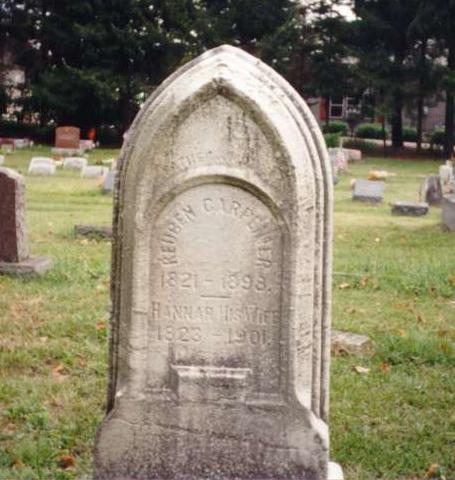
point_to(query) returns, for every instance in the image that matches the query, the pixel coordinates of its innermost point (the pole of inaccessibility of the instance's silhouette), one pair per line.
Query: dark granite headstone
(13, 244)
(14, 255)
(410, 209)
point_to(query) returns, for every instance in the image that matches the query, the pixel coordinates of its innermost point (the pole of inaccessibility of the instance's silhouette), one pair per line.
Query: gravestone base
(175, 440)
(69, 152)
(30, 266)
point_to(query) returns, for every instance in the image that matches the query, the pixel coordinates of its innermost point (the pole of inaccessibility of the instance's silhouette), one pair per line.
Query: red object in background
(91, 134)
(322, 109)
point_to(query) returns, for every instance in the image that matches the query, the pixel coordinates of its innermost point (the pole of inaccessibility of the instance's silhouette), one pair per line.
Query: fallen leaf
(84, 241)
(66, 461)
(452, 280)
(360, 369)
(101, 325)
(58, 373)
(433, 471)
(402, 333)
(17, 464)
(443, 332)
(385, 367)
(364, 281)
(343, 286)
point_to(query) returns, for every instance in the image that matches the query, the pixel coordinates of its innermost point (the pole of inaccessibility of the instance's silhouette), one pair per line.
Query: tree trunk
(327, 110)
(450, 111)
(421, 95)
(397, 120)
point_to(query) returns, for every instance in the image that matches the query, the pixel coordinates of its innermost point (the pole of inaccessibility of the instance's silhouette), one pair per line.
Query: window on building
(336, 107)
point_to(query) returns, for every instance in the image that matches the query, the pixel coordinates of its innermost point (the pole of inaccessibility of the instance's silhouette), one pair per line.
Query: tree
(383, 47)
(331, 64)
(93, 62)
(439, 17)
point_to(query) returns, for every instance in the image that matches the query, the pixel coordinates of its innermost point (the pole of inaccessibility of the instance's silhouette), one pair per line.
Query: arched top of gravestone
(230, 72)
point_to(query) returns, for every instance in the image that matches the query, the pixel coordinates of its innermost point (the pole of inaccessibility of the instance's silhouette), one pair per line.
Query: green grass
(392, 282)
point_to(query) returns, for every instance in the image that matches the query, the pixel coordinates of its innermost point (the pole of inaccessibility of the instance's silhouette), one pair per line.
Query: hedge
(336, 127)
(370, 130)
(332, 140)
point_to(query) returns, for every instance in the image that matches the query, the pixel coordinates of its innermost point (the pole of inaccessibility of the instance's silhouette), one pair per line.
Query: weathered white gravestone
(219, 345)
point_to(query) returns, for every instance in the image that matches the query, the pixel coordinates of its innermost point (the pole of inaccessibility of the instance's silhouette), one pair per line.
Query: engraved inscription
(216, 283)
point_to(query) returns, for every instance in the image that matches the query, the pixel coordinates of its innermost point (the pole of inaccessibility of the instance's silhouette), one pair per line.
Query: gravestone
(67, 141)
(353, 155)
(410, 209)
(14, 254)
(7, 148)
(431, 190)
(447, 178)
(2, 159)
(109, 181)
(42, 166)
(221, 274)
(371, 191)
(67, 137)
(448, 212)
(74, 163)
(92, 231)
(93, 171)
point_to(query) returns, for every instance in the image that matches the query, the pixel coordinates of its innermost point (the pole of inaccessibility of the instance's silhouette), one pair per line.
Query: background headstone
(447, 178)
(14, 254)
(13, 240)
(448, 212)
(109, 181)
(93, 171)
(74, 163)
(221, 282)
(410, 209)
(42, 166)
(368, 191)
(67, 137)
(431, 191)
(2, 159)
(92, 231)
(353, 155)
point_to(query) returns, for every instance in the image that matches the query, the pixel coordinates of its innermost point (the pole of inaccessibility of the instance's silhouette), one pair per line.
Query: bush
(437, 136)
(409, 134)
(336, 127)
(109, 136)
(364, 145)
(26, 130)
(370, 130)
(332, 140)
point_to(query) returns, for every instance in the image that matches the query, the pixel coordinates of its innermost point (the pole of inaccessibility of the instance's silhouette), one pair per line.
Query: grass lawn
(394, 280)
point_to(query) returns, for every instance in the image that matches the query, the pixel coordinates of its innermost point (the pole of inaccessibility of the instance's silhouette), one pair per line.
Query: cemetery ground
(392, 414)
